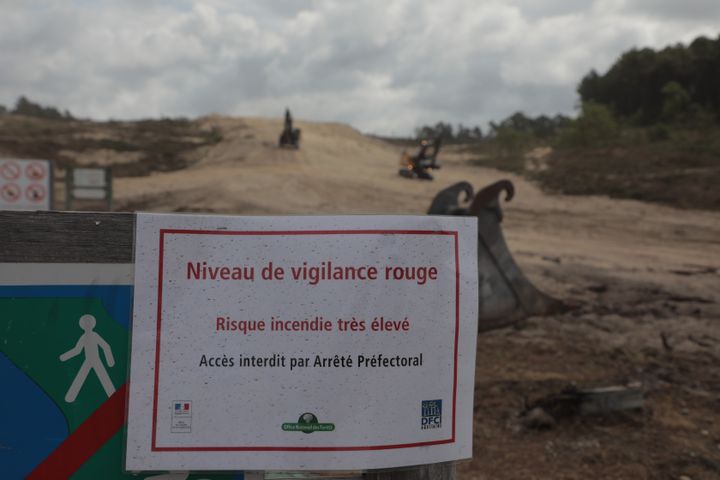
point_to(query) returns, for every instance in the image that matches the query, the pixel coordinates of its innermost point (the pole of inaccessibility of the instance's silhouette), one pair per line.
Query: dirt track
(635, 271)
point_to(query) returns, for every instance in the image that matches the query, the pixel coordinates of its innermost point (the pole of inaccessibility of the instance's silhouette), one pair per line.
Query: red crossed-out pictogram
(10, 192)
(35, 192)
(10, 170)
(35, 171)
(87, 439)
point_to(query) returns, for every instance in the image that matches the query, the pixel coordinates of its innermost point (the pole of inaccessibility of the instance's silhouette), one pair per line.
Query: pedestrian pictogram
(35, 171)
(10, 170)
(89, 344)
(10, 192)
(35, 193)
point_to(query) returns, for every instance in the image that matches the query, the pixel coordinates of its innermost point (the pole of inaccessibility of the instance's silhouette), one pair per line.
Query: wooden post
(68, 189)
(74, 237)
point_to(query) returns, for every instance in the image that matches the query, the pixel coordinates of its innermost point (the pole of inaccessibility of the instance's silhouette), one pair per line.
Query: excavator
(417, 166)
(507, 297)
(289, 137)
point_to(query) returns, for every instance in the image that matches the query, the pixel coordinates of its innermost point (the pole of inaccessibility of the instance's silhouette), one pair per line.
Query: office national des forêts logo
(308, 423)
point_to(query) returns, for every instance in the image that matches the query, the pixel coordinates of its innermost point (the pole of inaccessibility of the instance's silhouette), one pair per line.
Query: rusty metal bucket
(506, 296)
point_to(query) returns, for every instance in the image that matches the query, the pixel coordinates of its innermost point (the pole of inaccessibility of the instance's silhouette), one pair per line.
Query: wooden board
(66, 237)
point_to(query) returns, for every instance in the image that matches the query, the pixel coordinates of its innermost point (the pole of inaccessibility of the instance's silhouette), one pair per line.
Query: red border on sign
(163, 232)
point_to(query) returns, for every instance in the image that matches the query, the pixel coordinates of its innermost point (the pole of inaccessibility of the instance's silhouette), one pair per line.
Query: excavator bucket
(507, 297)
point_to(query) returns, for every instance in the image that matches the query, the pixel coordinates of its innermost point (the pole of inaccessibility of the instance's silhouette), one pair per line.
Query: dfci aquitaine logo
(431, 414)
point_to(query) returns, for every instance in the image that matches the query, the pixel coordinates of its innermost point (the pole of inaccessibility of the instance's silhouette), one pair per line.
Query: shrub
(595, 126)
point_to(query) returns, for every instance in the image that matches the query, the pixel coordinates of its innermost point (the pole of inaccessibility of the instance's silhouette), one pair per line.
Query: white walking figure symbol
(89, 343)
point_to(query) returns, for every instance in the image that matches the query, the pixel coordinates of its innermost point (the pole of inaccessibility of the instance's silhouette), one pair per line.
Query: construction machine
(289, 137)
(507, 297)
(418, 165)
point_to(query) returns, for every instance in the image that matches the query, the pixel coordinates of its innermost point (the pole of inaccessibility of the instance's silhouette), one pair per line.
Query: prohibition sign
(10, 170)
(35, 171)
(35, 193)
(10, 192)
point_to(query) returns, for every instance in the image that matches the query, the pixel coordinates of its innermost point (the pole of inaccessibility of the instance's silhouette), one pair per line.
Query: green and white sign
(64, 332)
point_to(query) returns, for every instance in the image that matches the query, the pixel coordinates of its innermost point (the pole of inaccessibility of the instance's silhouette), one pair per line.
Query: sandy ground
(637, 272)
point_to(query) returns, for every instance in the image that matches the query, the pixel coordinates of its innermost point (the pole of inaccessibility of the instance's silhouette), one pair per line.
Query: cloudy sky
(383, 66)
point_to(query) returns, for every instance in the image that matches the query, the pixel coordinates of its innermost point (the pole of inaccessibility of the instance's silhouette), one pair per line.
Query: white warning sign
(25, 184)
(302, 342)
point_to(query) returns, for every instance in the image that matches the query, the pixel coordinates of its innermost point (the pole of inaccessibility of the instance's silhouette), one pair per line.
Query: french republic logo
(431, 414)
(181, 416)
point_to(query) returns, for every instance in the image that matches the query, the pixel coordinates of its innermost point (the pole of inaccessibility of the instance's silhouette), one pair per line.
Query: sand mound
(336, 170)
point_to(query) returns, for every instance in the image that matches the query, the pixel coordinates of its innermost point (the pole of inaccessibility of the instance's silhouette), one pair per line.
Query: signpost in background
(26, 184)
(88, 185)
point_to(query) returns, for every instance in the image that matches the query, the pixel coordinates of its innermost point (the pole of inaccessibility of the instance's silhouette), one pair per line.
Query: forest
(647, 129)
(675, 86)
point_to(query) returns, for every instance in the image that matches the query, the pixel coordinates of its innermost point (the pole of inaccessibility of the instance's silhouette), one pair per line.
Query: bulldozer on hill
(289, 137)
(417, 166)
(507, 297)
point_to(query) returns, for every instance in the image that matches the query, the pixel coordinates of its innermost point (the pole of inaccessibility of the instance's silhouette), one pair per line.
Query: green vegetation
(23, 106)
(594, 126)
(449, 134)
(507, 142)
(542, 127)
(648, 129)
(645, 86)
(157, 145)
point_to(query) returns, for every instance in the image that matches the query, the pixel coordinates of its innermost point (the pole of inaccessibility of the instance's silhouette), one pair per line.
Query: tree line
(643, 88)
(649, 86)
(541, 126)
(24, 106)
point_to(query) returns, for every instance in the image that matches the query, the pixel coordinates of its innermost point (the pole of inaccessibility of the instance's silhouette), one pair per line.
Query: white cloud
(383, 66)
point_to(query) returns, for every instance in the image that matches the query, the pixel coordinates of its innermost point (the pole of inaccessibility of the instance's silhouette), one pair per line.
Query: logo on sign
(431, 414)
(182, 408)
(181, 418)
(308, 423)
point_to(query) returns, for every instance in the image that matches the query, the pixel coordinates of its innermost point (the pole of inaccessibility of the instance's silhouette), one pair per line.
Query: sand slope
(340, 171)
